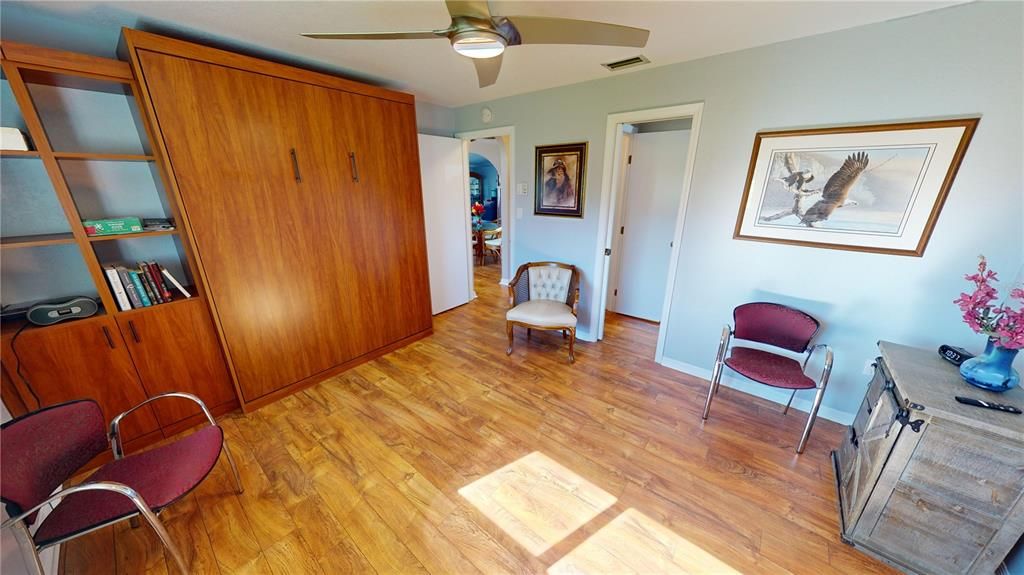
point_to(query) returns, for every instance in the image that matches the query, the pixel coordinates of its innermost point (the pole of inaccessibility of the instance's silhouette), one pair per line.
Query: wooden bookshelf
(126, 343)
(33, 66)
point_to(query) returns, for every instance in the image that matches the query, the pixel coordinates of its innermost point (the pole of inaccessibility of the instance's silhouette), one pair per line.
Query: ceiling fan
(475, 33)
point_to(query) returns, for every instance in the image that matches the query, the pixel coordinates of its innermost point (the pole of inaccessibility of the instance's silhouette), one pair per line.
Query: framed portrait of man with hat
(560, 180)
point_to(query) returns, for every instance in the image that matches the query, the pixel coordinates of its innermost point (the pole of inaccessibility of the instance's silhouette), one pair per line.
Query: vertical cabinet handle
(295, 166)
(355, 166)
(135, 334)
(106, 334)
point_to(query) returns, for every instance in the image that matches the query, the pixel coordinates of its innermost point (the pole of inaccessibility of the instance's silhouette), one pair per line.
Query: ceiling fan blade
(416, 35)
(469, 8)
(540, 30)
(487, 70)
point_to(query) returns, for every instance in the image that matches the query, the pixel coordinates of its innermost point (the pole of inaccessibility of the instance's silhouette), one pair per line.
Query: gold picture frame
(873, 188)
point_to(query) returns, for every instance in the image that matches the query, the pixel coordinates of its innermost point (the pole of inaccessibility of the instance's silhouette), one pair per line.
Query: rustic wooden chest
(927, 484)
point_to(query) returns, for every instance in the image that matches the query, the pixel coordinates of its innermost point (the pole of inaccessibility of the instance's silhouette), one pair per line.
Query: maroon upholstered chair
(778, 326)
(43, 449)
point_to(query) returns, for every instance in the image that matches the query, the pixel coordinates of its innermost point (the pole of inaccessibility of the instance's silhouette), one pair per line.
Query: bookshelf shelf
(36, 240)
(104, 157)
(19, 154)
(178, 299)
(150, 234)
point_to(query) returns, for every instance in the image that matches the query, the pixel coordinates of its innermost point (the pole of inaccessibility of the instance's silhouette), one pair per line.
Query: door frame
(606, 221)
(507, 210)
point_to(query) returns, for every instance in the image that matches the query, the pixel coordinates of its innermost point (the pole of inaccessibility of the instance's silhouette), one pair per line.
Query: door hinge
(607, 251)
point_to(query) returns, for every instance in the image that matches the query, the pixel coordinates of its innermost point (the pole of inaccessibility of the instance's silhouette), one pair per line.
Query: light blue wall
(961, 61)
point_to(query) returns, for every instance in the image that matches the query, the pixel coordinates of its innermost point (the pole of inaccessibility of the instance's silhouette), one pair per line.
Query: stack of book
(145, 286)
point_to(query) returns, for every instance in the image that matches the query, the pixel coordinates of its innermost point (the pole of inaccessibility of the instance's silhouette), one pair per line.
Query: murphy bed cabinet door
(387, 162)
(873, 446)
(232, 144)
(175, 348)
(84, 359)
(337, 217)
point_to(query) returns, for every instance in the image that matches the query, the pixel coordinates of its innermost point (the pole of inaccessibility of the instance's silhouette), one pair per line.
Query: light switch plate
(522, 188)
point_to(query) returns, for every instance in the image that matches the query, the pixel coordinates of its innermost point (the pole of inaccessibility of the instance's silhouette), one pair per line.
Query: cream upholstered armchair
(544, 295)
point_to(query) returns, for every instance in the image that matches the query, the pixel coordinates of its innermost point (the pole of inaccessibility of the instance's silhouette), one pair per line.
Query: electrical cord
(17, 360)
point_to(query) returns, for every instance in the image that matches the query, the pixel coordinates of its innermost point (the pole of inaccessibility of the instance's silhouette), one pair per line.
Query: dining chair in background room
(778, 326)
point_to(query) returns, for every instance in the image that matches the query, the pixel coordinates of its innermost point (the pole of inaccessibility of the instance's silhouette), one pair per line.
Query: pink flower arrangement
(1002, 323)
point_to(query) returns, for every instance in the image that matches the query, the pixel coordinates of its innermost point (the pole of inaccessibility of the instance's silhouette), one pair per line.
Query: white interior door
(445, 176)
(650, 203)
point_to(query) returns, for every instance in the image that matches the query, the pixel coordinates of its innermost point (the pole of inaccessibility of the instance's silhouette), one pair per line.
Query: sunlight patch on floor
(537, 501)
(635, 543)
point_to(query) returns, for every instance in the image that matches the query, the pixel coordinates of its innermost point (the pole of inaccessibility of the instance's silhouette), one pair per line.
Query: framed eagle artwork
(874, 188)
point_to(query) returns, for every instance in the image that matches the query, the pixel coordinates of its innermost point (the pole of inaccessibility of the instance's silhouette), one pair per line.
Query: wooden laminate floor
(362, 473)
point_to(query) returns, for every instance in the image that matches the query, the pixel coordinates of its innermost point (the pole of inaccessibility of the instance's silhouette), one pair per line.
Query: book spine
(177, 284)
(115, 284)
(158, 277)
(141, 288)
(147, 280)
(129, 287)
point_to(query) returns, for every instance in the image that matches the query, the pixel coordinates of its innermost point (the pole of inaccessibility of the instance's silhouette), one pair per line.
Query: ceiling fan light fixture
(478, 44)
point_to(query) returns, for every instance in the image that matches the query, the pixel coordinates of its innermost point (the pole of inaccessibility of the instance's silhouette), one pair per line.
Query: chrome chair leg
(716, 375)
(789, 403)
(713, 389)
(234, 469)
(165, 539)
(810, 419)
(27, 545)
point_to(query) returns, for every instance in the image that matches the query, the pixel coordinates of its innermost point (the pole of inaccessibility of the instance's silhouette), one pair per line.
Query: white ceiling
(429, 69)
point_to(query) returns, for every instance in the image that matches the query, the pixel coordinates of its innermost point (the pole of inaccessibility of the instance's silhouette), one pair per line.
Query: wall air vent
(627, 63)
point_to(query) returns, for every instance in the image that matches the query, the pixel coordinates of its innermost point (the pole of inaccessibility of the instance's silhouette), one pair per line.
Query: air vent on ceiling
(627, 63)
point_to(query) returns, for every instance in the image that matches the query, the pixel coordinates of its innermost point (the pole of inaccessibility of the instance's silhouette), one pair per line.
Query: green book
(112, 226)
(139, 287)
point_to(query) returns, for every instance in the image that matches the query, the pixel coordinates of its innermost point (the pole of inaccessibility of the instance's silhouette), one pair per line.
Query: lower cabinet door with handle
(175, 348)
(85, 359)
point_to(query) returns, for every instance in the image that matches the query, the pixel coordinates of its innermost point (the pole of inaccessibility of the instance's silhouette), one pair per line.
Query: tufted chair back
(545, 280)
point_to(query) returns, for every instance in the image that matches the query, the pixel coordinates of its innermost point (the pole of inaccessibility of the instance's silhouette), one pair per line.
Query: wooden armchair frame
(520, 292)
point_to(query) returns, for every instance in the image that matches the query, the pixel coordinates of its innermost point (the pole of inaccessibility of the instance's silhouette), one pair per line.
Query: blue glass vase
(992, 370)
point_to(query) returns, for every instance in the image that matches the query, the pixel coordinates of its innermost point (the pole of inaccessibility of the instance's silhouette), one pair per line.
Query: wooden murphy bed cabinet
(925, 483)
(119, 358)
(300, 193)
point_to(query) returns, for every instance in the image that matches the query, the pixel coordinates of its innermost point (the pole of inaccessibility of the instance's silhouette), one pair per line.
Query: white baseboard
(763, 391)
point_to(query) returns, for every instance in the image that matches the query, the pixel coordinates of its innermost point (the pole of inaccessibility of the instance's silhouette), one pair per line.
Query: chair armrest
(723, 342)
(115, 424)
(120, 488)
(575, 301)
(826, 371)
(511, 295)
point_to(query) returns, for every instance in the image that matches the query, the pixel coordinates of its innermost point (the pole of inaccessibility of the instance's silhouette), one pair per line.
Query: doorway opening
(649, 160)
(489, 168)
